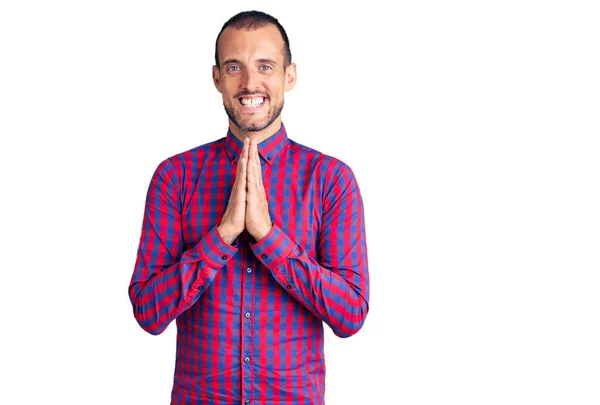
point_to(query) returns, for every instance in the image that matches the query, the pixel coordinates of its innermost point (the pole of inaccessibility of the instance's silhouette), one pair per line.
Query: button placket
(246, 306)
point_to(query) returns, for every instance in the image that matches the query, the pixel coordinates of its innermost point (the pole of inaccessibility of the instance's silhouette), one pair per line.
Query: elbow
(151, 328)
(345, 333)
(150, 325)
(149, 322)
(147, 318)
(354, 322)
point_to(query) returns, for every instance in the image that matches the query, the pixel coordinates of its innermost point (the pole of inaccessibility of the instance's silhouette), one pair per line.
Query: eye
(233, 68)
(266, 67)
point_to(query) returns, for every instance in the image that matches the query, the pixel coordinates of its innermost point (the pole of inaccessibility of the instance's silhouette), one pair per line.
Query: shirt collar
(268, 149)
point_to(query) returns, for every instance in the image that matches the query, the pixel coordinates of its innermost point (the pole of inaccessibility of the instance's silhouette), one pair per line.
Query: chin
(253, 122)
(253, 126)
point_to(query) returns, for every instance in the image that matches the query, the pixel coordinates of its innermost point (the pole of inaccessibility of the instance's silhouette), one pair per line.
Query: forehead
(265, 42)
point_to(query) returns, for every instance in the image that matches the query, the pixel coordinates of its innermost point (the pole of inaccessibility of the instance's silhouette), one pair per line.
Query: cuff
(274, 247)
(215, 250)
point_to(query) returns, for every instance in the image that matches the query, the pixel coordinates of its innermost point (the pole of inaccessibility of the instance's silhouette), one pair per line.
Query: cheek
(229, 89)
(229, 86)
(274, 84)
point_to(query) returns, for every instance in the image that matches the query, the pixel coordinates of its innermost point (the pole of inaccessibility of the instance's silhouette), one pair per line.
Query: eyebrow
(232, 61)
(239, 62)
(271, 61)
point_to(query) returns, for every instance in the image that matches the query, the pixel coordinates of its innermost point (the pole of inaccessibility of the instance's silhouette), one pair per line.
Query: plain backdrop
(471, 126)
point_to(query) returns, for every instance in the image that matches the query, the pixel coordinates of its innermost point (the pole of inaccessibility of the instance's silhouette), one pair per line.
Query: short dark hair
(253, 20)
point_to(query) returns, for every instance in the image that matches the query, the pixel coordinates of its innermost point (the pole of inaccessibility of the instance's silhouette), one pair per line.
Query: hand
(234, 218)
(258, 220)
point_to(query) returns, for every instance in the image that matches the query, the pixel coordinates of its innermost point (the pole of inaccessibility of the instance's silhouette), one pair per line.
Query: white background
(471, 126)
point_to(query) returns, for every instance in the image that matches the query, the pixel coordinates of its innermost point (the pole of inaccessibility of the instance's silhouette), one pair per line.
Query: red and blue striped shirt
(250, 315)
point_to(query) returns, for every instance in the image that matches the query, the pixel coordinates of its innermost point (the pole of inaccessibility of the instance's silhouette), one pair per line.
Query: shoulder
(197, 154)
(330, 167)
(189, 161)
(323, 162)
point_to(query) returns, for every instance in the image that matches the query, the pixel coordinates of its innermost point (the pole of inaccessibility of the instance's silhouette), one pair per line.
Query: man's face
(252, 78)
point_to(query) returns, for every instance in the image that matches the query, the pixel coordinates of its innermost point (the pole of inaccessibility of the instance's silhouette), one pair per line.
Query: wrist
(263, 233)
(226, 234)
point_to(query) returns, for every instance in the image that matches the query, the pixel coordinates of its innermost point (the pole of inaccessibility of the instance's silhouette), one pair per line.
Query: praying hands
(247, 207)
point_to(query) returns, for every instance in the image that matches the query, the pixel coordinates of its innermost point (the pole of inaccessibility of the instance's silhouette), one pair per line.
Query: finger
(253, 150)
(242, 169)
(251, 166)
(240, 178)
(239, 173)
(246, 147)
(256, 156)
(259, 167)
(256, 167)
(243, 182)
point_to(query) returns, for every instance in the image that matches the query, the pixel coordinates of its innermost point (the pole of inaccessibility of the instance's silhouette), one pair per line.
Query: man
(252, 241)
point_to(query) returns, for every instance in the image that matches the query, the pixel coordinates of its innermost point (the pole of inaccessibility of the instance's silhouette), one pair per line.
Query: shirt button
(268, 157)
(247, 401)
(289, 286)
(223, 257)
(264, 256)
(248, 270)
(247, 314)
(247, 360)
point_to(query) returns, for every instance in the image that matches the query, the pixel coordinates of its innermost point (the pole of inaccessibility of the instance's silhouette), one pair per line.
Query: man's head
(253, 69)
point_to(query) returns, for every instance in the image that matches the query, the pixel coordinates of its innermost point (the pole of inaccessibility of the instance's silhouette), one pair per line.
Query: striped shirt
(250, 314)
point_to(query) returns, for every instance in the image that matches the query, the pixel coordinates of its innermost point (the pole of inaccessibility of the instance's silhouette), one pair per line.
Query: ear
(290, 77)
(216, 77)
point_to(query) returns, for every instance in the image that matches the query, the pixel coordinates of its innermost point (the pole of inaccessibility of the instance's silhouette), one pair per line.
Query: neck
(259, 136)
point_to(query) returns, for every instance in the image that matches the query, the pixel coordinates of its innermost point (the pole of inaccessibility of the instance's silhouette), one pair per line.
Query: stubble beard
(254, 126)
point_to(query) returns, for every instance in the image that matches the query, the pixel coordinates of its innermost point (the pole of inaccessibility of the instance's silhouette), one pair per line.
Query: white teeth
(252, 102)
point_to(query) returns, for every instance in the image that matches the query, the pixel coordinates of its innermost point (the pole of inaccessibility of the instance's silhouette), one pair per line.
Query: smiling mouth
(252, 102)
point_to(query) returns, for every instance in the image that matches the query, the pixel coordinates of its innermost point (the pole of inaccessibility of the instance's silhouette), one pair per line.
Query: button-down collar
(268, 149)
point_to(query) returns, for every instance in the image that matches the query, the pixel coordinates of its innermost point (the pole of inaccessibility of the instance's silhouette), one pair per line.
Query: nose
(250, 79)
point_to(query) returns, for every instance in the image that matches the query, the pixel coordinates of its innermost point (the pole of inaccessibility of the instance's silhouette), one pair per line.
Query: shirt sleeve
(336, 286)
(167, 280)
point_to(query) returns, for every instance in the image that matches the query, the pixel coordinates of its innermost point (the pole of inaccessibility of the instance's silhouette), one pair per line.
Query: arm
(166, 280)
(335, 289)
